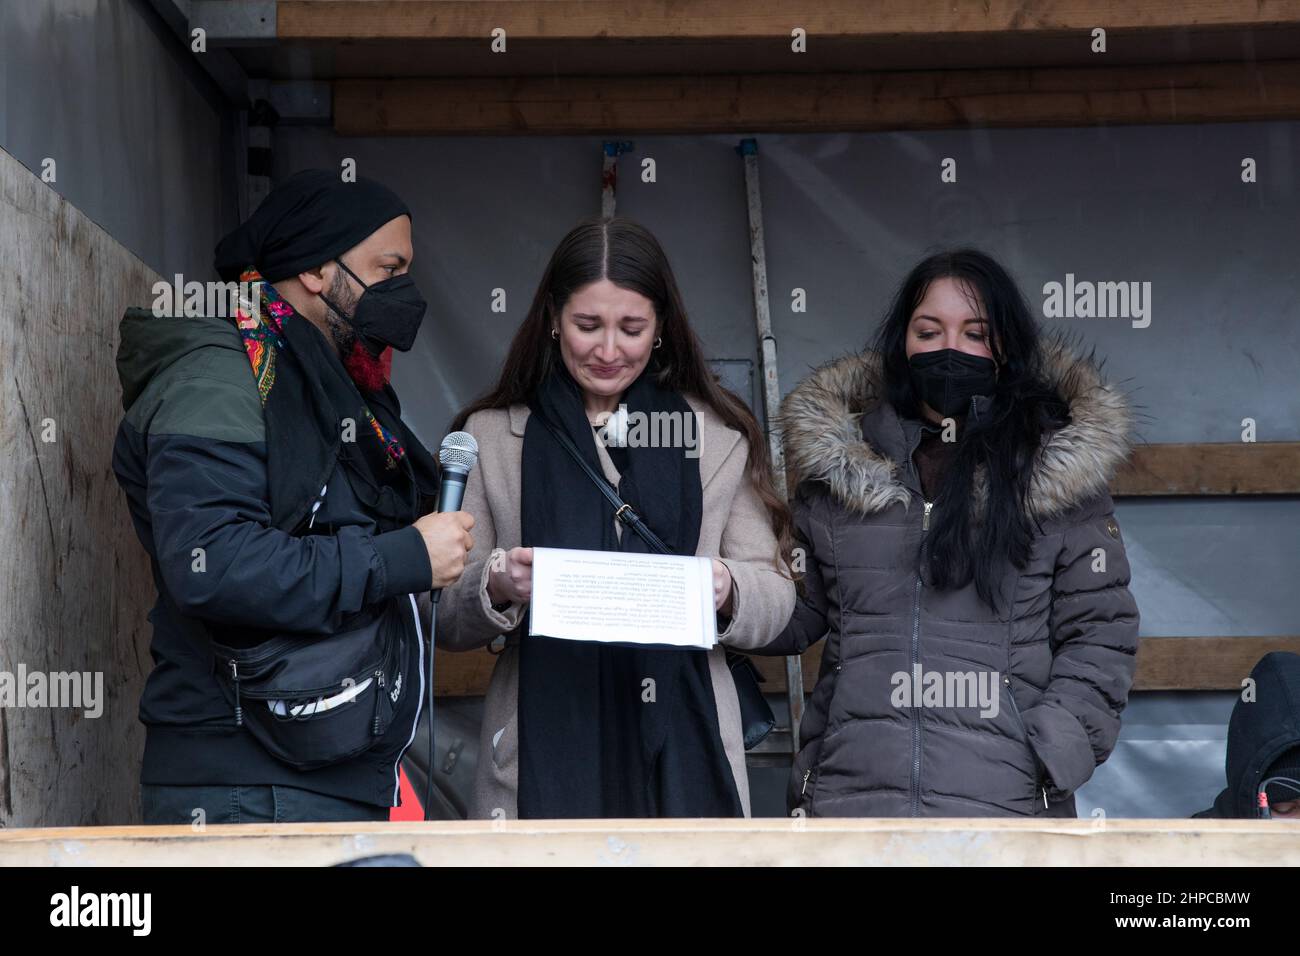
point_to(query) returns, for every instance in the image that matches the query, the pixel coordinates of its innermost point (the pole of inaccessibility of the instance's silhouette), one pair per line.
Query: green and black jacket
(191, 456)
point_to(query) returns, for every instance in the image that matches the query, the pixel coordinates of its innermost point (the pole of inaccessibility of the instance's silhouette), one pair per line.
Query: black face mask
(388, 312)
(947, 379)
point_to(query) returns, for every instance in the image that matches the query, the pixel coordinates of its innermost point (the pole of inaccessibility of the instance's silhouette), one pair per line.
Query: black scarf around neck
(590, 744)
(306, 416)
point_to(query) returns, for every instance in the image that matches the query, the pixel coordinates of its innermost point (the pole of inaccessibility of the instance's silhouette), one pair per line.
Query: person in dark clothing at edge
(1264, 745)
(962, 560)
(277, 491)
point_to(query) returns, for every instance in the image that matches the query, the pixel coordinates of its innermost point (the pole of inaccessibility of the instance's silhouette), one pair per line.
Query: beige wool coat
(734, 528)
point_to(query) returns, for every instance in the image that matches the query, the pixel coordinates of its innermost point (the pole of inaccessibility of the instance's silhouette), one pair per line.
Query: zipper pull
(804, 788)
(316, 507)
(239, 710)
(925, 519)
(1045, 806)
(379, 696)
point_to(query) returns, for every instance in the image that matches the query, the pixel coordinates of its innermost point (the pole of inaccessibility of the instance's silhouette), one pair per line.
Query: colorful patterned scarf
(261, 326)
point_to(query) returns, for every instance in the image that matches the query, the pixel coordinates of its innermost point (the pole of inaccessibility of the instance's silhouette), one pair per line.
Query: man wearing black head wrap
(299, 239)
(287, 511)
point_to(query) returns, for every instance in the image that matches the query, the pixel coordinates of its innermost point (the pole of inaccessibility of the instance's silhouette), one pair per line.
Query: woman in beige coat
(569, 730)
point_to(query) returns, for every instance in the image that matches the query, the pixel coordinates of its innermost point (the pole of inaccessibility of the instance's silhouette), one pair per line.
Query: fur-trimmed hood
(821, 425)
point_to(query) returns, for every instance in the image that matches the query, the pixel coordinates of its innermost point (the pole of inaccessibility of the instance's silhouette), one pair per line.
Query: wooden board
(75, 585)
(755, 842)
(473, 56)
(462, 673)
(1203, 663)
(1220, 468)
(790, 102)
(713, 19)
(1164, 663)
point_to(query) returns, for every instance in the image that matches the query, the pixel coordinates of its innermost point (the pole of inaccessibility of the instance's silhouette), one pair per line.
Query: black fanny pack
(315, 701)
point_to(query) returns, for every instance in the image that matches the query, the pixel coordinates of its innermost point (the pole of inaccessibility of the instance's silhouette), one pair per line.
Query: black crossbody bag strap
(622, 510)
(756, 717)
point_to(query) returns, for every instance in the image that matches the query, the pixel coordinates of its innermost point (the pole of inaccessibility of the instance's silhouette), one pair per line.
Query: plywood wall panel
(75, 586)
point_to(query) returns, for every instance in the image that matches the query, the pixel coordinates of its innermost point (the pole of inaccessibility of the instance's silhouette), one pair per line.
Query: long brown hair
(629, 256)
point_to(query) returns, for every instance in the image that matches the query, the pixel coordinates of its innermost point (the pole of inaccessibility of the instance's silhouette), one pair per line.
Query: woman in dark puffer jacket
(962, 560)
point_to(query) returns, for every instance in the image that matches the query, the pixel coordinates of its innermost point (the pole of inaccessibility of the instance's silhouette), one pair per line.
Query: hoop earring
(659, 340)
(555, 334)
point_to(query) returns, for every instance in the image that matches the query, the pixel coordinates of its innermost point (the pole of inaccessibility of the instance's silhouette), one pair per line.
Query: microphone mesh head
(458, 453)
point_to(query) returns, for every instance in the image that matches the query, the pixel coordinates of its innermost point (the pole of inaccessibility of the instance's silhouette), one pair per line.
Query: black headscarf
(304, 222)
(590, 743)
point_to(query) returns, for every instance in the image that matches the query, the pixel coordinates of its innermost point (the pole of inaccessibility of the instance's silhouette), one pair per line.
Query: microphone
(457, 456)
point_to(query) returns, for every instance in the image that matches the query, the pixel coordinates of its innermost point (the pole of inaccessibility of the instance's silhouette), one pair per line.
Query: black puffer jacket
(1044, 684)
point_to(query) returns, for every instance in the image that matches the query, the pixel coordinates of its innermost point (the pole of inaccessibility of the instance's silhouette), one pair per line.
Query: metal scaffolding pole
(748, 149)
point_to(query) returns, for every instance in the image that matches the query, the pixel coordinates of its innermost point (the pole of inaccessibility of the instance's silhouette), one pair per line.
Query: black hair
(966, 543)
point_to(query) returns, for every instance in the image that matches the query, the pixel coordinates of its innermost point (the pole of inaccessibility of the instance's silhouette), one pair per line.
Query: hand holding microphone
(448, 541)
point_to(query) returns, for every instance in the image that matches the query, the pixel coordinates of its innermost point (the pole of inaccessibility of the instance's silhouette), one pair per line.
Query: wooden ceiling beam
(826, 102)
(614, 20)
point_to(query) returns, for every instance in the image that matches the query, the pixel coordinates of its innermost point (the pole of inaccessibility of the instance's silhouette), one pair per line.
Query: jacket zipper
(419, 702)
(1015, 709)
(803, 790)
(916, 661)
